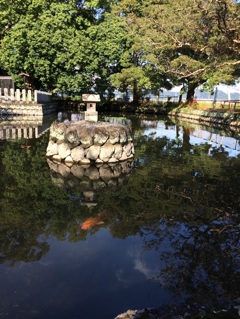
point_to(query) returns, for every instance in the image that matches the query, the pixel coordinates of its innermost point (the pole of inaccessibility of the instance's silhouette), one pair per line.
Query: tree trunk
(180, 98)
(135, 93)
(182, 91)
(191, 91)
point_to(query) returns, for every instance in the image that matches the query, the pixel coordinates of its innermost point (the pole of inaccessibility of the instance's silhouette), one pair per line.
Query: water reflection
(22, 127)
(197, 134)
(164, 227)
(90, 180)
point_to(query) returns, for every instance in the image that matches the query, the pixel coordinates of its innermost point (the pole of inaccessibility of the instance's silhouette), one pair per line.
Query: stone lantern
(91, 114)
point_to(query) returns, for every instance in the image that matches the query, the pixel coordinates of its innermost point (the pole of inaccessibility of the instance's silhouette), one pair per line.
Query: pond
(155, 231)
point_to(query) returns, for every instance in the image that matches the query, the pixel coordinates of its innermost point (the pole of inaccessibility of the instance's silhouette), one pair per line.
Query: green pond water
(158, 230)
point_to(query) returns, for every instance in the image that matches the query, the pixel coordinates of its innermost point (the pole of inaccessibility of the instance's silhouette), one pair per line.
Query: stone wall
(209, 117)
(28, 110)
(86, 142)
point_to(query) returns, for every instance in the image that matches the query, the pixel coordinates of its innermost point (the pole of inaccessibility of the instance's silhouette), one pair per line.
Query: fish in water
(91, 222)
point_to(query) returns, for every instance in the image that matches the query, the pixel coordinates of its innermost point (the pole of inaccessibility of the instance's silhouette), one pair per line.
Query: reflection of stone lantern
(89, 197)
(91, 114)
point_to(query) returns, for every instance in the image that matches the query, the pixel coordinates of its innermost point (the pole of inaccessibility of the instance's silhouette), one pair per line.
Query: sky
(222, 87)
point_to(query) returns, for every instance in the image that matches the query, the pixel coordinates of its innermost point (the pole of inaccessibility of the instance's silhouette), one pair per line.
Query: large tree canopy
(74, 46)
(62, 45)
(193, 42)
(50, 43)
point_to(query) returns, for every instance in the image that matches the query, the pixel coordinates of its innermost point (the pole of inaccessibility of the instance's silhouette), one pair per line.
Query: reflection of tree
(189, 190)
(203, 261)
(179, 185)
(21, 245)
(186, 139)
(29, 205)
(196, 198)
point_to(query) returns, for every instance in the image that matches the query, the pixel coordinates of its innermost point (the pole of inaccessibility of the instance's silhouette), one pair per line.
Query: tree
(51, 45)
(75, 46)
(108, 38)
(66, 46)
(136, 73)
(193, 42)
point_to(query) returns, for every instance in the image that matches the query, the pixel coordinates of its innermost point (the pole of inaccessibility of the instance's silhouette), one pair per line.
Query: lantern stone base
(91, 116)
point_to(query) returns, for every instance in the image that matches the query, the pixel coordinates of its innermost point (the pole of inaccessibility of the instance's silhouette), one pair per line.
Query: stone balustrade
(26, 96)
(85, 142)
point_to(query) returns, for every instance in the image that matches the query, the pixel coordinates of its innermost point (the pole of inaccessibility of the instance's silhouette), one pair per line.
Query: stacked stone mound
(86, 142)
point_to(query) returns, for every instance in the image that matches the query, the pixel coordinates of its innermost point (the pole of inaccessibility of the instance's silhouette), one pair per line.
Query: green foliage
(62, 47)
(74, 47)
(198, 39)
(52, 48)
(128, 76)
(108, 40)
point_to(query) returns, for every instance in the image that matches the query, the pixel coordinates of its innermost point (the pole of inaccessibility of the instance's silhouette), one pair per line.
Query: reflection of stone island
(86, 142)
(90, 180)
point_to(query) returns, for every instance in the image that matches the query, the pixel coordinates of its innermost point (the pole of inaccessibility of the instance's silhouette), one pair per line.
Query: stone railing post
(5, 93)
(12, 97)
(24, 95)
(35, 96)
(29, 95)
(18, 95)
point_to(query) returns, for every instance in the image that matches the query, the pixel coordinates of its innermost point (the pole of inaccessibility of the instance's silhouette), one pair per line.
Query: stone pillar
(18, 95)
(24, 95)
(89, 196)
(12, 97)
(29, 95)
(35, 96)
(5, 94)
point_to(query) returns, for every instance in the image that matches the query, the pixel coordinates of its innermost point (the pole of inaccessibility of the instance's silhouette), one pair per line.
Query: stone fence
(24, 96)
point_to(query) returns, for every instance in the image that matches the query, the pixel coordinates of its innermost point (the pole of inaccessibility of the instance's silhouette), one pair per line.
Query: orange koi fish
(91, 222)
